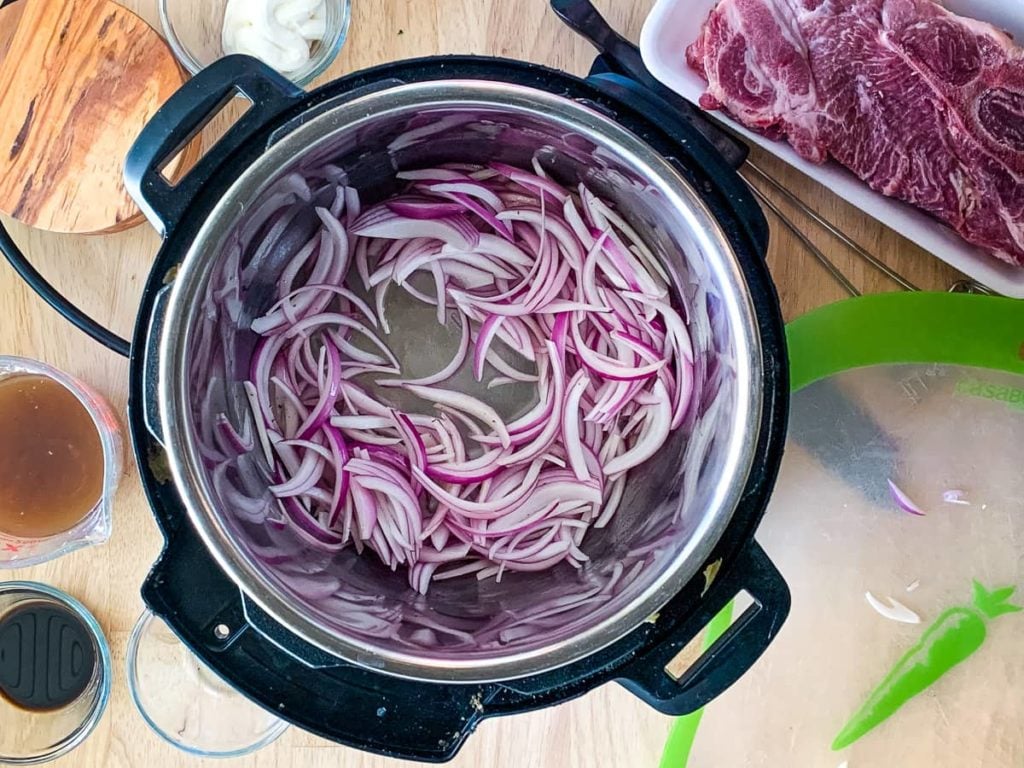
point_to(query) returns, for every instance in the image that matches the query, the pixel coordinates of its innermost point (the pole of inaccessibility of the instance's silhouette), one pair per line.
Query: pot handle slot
(184, 588)
(731, 655)
(186, 113)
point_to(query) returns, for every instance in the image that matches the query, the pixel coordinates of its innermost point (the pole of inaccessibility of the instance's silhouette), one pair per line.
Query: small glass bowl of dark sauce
(54, 673)
(60, 463)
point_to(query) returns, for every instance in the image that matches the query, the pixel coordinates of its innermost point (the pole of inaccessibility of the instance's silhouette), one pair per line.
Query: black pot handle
(185, 114)
(354, 706)
(695, 147)
(624, 57)
(171, 128)
(584, 19)
(731, 655)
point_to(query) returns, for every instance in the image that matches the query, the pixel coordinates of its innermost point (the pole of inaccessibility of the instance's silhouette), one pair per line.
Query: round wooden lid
(78, 81)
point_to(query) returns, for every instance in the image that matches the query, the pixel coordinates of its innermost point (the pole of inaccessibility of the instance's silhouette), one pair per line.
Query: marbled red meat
(924, 105)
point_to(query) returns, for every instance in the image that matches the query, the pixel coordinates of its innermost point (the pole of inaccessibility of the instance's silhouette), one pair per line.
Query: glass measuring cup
(95, 525)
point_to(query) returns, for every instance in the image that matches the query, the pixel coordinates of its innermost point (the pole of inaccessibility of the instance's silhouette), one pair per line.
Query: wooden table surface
(608, 728)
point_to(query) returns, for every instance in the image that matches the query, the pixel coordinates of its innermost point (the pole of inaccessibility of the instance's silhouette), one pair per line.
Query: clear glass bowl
(95, 527)
(186, 703)
(30, 738)
(193, 30)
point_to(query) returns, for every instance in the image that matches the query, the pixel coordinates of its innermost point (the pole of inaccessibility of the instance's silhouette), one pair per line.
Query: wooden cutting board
(9, 16)
(78, 81)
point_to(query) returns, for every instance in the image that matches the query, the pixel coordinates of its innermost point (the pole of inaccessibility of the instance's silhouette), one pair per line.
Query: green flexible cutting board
(926, 390)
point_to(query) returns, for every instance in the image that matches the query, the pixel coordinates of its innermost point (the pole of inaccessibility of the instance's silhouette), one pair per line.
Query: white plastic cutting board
(834, 533)
(673, 24)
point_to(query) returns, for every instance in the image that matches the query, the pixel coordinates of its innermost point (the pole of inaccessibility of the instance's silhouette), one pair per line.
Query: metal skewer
(826, 262)
(832, 229)
(960, 286)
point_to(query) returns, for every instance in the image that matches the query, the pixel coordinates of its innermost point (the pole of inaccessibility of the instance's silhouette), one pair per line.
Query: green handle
(951, 328)
(684, 730)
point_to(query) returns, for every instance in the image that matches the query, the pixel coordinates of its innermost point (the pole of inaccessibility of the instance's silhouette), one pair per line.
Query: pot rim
(196, 495)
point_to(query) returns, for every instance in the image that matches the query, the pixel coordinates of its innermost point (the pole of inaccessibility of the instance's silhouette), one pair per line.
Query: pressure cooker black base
(429, 721)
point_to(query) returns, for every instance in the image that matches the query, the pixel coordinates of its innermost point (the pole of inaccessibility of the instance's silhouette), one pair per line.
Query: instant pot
(350, 668)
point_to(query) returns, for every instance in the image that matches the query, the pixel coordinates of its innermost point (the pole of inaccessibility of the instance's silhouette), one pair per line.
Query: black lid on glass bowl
(54, 673)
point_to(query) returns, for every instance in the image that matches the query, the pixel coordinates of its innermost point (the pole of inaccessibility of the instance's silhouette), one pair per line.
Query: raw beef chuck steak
(767, 83)
(923, 105)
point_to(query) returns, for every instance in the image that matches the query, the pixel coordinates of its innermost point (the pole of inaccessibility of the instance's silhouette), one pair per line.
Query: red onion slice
(466, 404)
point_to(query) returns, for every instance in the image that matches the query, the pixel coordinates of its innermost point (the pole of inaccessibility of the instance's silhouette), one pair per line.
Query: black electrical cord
(55, 299)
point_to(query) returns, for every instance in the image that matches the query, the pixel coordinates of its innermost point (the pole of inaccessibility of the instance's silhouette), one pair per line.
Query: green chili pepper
(955, 635)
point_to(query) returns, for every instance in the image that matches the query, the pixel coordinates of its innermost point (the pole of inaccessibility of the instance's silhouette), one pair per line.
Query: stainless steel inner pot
(675, 507)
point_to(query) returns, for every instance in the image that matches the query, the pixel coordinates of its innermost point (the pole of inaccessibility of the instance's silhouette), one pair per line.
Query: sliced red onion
(532, 181)
(361, 422)
(464, 193)
(308, 529)
(465, 404)
(328, 395)
(561, 279)
(903, 501)
(463, 477)
(481, 510)
(659, 420)
(239, 443)
(285, 313)
(381, 222)
(571, 425)
(257, 415)
(340, 456)
(549, 432)
(605, 218)
(468, 188)
(423, 208)
(484, 338)
(571, 249)
(955, 496)
(478, 262)
(304, 478)
(608, 368)
(611, 504)
(432, 175)
(415, 448)
(333, 318)
(504, 368)
(441, 295)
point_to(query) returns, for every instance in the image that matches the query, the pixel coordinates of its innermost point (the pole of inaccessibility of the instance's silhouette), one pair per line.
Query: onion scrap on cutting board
(903, 501)
(894, 611)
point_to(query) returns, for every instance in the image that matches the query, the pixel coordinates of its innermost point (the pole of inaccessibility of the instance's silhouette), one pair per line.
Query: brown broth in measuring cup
(51, 458)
